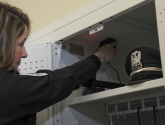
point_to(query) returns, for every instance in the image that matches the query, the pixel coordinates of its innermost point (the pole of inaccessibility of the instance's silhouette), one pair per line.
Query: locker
(133, 24)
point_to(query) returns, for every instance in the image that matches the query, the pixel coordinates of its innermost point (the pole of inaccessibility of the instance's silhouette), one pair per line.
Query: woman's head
(14, 29)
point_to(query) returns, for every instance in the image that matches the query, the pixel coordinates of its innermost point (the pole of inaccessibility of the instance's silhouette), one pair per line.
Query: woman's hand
(107, 52)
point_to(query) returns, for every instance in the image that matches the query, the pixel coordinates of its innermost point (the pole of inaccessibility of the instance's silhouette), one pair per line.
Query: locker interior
(137, 28)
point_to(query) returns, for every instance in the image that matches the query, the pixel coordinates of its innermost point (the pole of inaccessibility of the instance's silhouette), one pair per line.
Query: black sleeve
(32, 93)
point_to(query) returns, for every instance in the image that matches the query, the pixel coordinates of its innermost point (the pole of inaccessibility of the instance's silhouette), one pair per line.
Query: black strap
(154, 114)
(138, 115)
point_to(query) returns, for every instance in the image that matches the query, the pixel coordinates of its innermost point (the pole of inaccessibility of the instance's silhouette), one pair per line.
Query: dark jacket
(22, 96)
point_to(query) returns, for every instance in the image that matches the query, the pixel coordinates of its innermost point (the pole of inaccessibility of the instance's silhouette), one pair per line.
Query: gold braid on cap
(145, 69)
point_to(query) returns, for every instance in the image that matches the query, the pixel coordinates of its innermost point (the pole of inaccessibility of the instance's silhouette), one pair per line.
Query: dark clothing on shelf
(22, 96)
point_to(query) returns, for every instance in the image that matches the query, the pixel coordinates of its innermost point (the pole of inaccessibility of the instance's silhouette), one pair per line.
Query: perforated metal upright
(40, 56)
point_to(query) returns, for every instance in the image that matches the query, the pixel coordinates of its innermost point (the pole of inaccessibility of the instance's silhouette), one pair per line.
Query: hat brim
(145, 76)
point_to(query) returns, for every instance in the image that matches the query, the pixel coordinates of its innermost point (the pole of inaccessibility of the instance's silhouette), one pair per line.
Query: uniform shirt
(22, 96)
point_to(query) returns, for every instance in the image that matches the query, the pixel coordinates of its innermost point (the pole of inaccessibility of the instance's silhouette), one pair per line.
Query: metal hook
(125, 118)
(117, 117)
(154, 114)
(111, 118)
(139, 115)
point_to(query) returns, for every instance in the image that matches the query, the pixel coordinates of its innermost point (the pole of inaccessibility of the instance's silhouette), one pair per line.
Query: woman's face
(20, 51)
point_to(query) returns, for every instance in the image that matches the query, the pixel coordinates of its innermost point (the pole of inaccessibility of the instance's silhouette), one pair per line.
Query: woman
(22, 96)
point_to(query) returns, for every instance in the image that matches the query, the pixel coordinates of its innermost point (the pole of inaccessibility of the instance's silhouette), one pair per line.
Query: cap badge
(135, 59)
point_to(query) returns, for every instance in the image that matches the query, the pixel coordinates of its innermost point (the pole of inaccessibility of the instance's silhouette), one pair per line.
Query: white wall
(45, 12)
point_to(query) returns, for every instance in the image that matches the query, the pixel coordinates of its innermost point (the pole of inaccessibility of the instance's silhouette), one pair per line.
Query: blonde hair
(12, 25)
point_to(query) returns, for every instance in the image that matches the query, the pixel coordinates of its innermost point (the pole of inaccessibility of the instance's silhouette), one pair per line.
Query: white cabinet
(133, 23)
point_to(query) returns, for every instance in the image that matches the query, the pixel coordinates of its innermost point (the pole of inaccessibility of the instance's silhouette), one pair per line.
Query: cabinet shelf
(126, 92)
